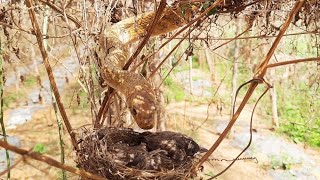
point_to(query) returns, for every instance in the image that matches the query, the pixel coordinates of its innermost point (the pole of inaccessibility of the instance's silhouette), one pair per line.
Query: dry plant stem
(103, 108)
(250, 139)
(59, 10)
(259, 78)
(235, 38)
(11, 167)
(204, 13)
(50, 74)
(3, 128)
(14, 165)
(262, 69)
(169, 54)
(66, 68)
(88, 89)
(249, 37)
(49, 161)
(60, 125)
(293, 62)
(150, 29)
(110, 93)
(16, 28)
(42, 170)
(54, 104)
(179, 59)
(240, 8)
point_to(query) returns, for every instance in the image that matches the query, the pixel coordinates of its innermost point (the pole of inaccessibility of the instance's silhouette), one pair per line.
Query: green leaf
(206, 5)
(39, 148)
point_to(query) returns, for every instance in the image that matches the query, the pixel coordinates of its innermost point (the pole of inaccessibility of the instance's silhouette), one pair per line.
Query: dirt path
(277, 157)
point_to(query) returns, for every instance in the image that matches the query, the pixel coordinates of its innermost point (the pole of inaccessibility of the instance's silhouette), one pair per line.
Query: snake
(113, 52)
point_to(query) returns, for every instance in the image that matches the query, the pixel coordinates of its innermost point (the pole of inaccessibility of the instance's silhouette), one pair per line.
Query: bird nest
(125, 154)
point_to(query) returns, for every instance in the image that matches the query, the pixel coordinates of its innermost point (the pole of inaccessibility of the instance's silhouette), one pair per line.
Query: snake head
(142, 105)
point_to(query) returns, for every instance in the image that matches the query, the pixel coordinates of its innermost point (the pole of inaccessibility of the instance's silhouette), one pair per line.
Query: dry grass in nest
(116, 153)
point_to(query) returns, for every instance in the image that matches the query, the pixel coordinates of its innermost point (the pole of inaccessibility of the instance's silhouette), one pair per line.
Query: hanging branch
(53, 84)
(257, 79)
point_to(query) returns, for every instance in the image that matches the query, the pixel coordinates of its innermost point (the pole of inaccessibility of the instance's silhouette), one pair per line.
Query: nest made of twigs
(116, 153)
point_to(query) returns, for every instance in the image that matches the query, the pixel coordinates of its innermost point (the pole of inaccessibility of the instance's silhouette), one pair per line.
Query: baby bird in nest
(150, 151)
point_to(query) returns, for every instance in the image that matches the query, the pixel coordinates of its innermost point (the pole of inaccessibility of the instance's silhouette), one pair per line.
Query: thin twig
(11, 167)
(203, 14)
(292, 62)
(150, 29)
(250, 139)
(59, 10)
(249, 37)
(235, 38)
(60, 126)
(169, 54)
(179, 59)
(16, 28)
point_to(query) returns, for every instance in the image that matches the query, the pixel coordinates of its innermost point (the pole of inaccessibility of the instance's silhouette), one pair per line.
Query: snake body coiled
(113, 53)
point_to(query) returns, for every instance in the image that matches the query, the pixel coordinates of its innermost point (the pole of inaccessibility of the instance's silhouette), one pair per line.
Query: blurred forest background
(196, 83)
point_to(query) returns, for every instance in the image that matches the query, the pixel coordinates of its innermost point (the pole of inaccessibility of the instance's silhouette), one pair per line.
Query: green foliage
(84, 102)
(30, 81)
(299, 123)
(174, 90)
(313, 137)
(11, 97)
(284, 162)
(301, 133)
(210, 173)
(293, 131)
(195, 62)
(301, 45)
(206, 5)
(39, 148)
(62, 175)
